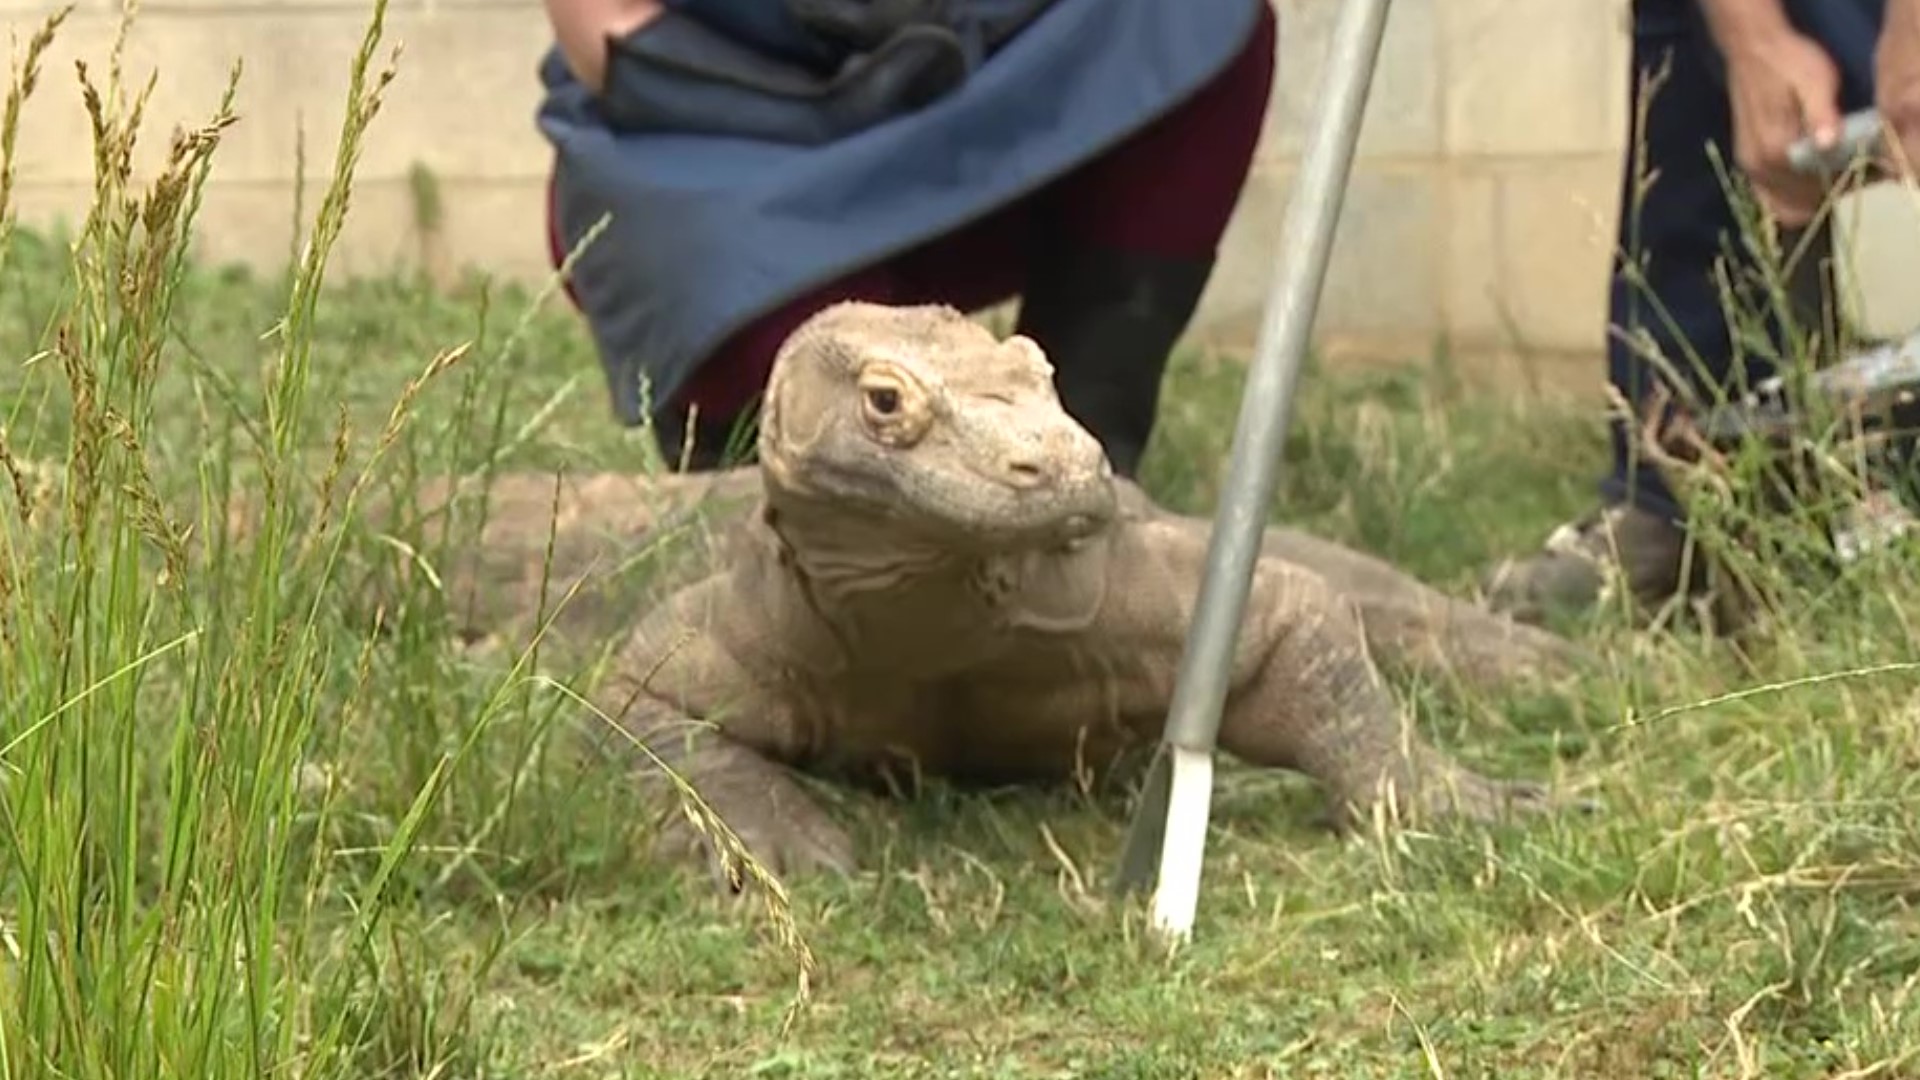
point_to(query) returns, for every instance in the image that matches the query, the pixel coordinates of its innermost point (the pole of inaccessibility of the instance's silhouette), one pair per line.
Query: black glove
(675, 74)
(824, 34)
(867, 25)
(768, 26)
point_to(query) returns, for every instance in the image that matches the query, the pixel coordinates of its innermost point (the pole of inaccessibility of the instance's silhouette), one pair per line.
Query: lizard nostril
(1025, 472)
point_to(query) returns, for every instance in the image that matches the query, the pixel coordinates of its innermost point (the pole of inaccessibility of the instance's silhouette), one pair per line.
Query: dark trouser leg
(1673, 229)
(1680, 229)
(1683, 224)
(1123, 247)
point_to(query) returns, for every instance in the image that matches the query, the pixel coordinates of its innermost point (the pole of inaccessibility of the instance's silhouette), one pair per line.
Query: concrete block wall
(460, 112)
(1480, 211)
(1481, 206)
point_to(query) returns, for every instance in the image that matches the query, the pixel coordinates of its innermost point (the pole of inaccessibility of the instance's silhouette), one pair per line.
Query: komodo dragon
(943, 577)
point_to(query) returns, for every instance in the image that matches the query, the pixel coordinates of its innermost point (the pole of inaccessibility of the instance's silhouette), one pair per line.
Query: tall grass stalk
(172, 898)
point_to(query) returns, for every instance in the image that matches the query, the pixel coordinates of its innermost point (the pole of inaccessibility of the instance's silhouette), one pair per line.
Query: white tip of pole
(1189, 801)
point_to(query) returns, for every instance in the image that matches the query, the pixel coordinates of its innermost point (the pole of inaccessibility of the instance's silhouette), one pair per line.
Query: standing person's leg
(1123, 247)
(1676, 224)
(1672, 228)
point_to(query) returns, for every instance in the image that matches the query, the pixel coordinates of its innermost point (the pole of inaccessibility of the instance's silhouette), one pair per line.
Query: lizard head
(920, 418)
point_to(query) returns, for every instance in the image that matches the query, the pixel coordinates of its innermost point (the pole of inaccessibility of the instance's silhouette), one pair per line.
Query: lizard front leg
(757, 799)
(1311, 700)
(704, 716)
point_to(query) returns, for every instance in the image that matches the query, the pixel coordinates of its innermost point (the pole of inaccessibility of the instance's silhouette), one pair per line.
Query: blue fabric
(709, 233)
(1679, 225)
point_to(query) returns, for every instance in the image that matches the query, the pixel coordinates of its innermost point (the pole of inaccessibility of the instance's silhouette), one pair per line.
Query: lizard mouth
(1059, 515)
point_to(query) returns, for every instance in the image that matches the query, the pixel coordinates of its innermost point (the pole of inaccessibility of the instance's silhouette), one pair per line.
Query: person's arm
(1782, 87)
(1896, 79)
(581, 27)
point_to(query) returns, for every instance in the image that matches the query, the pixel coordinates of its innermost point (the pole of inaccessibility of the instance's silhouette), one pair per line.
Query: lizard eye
(894, 406)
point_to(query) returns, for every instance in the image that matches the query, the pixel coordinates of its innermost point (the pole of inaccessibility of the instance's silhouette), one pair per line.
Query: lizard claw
(798, 845)
(1468, 796)
(783, 845)
(774, 822)
(1487, 801)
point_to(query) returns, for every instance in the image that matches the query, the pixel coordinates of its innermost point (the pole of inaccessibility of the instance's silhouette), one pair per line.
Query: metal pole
(1169, 825)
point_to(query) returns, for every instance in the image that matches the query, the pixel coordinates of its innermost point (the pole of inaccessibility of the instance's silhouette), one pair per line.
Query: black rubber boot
(1108, 321)
(1584, 559)
(676, 75)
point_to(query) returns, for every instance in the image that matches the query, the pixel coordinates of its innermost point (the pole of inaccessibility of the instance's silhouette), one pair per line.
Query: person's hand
(1784, 87)
(1896, 77)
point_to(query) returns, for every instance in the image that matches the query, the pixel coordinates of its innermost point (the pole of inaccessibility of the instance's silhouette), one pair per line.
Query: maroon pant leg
(1171, 188)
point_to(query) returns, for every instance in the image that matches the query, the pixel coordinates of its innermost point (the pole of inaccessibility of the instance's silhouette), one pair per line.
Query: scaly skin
(943, 577)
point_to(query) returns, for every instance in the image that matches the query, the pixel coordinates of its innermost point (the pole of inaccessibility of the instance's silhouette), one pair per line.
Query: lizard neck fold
(895, 600)
(888, 602)
(844, 555)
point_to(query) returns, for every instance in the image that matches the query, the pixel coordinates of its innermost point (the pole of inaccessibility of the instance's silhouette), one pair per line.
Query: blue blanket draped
(707, 234)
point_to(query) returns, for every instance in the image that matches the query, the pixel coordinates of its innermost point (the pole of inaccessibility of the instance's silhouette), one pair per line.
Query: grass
(240, 835)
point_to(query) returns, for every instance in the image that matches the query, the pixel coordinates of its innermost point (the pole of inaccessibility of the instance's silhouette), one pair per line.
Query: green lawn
(239, 836)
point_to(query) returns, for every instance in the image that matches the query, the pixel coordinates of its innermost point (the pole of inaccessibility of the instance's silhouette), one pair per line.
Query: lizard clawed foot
(785, 840)
(1460, 794)
(1483, 800)
(772, 819)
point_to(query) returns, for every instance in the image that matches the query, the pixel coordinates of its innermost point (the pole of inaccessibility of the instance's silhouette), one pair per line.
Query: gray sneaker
(1585, 563)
